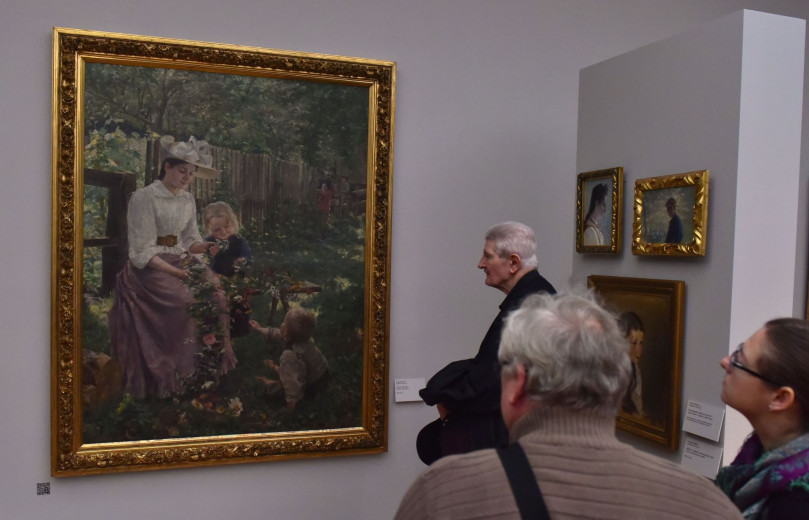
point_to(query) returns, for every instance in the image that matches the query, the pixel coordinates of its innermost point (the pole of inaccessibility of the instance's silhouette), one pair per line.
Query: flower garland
(207, 310)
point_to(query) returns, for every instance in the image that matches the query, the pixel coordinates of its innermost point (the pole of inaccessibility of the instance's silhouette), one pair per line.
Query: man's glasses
(734, 361)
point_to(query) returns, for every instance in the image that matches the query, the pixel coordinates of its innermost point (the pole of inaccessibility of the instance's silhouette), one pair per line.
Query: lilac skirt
(152, 334)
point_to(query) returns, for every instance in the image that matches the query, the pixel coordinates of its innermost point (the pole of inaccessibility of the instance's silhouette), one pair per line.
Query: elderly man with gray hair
(467, 392)
(565, 369)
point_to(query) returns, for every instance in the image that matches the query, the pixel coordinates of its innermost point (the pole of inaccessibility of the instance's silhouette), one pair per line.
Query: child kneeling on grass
(302, 369)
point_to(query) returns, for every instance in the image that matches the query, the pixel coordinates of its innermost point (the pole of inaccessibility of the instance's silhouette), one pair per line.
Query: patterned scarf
(756, 474)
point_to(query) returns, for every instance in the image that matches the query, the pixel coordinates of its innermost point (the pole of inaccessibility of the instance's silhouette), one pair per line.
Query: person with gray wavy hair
(565, 369)
(569, 351)
(508, 238)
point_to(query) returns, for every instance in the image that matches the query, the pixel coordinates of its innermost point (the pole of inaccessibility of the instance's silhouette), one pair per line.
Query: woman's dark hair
(172, 163)
(787, 359)
(598, 196)
(628, 322)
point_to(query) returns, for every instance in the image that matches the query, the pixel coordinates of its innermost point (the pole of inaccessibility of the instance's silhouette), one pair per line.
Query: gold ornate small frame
(373, 82)
(659, 307)
(599, 211)
(657, 226)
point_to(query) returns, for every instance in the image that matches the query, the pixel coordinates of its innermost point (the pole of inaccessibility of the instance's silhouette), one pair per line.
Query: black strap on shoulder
(523, 483)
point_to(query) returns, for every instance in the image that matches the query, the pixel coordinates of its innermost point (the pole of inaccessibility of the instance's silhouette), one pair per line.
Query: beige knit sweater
(582, 470)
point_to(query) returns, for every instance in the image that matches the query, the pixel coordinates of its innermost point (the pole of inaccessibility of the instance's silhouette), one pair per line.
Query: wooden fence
(268, 191)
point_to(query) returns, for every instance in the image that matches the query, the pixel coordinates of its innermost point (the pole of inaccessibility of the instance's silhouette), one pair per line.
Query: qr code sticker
(43, 488)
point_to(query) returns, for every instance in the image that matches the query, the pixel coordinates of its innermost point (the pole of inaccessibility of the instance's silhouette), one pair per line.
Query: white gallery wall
(486, 130)
(724, 97)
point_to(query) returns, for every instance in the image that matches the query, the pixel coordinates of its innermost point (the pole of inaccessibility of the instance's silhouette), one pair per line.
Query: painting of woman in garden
(160, 360)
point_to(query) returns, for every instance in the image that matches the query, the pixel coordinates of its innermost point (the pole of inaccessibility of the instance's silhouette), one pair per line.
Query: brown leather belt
(168, 241)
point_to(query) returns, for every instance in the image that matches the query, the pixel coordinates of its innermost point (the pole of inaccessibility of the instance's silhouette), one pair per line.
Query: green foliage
(109, 151)
(323, 124)
(115, 151)
(96, 333)
(95, 222)
(236, 402)
(129, 417)
(223, 192)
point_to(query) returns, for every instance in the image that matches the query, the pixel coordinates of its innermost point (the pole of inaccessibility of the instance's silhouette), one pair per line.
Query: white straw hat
(193, 152)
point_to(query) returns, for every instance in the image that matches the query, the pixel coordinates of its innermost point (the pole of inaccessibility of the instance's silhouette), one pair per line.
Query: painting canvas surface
(656, 220)
(281, 144)
(654, 312)
(605, 222)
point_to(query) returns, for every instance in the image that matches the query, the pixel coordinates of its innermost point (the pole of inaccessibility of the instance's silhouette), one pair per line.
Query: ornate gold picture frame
(599, 211)
(302, 148)
(671, 215)
(651, 315)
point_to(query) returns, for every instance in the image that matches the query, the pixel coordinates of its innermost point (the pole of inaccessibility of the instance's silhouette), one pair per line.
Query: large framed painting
(651, 316)
(671, 215)
(599, 211)
(221, 243)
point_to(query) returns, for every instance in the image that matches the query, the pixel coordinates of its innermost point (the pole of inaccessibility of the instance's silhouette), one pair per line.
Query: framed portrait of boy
(650, 314)
(671, 215)
(599, 210)
(220, 261)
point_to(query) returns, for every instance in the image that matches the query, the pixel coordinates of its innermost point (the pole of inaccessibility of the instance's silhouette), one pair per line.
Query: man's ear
(784, 398)
(516, 390)
(514, 263)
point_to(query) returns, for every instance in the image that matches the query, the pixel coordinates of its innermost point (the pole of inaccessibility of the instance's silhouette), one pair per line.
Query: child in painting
(302, 368)
(633, 331)
(231, 256)
(222, 225)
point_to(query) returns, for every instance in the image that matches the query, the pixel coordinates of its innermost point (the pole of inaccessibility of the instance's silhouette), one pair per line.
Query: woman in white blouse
(152, 334)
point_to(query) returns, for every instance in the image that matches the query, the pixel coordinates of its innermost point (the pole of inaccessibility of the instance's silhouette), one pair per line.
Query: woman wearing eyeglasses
(767, 381)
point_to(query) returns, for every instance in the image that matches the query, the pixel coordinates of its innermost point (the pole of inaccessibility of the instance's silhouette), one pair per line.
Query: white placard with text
(703, 419)
(702, 457)
(408, 389)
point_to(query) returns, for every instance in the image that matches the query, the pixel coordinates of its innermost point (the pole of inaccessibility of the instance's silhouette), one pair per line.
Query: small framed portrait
(671, 215)
(599, 196)
(650, 313)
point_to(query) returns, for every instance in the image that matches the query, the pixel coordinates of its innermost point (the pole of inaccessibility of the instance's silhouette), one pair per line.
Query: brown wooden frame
(657, 302)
